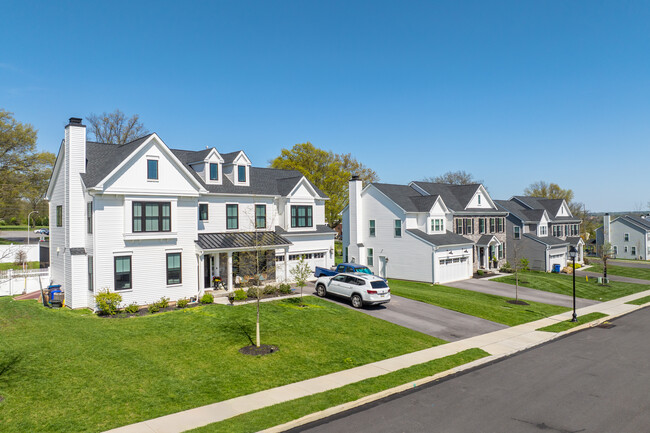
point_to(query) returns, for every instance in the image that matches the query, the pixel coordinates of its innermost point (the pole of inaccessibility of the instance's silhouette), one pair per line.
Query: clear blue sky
(513, 92)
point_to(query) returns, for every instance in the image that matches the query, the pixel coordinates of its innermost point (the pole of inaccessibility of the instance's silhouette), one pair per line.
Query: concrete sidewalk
(498, 344)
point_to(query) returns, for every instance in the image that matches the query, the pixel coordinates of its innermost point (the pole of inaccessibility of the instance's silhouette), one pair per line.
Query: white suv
(361, 289)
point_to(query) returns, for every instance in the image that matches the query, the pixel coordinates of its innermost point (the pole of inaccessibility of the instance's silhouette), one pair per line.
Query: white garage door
(559, 259)
(454, 269)
(312, 260)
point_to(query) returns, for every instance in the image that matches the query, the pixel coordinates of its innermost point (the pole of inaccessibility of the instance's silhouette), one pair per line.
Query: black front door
(207, 262)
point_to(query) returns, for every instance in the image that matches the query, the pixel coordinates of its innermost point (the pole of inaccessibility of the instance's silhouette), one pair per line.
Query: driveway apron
(526, 293)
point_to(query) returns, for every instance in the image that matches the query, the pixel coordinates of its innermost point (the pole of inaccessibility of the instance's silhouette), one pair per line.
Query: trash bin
(556, 268)
(55, 295)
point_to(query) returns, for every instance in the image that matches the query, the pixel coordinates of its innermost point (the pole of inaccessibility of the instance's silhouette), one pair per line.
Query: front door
(481, 255)
(207, 270)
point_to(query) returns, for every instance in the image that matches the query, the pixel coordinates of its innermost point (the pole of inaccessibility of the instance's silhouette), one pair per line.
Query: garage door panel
(453, 269)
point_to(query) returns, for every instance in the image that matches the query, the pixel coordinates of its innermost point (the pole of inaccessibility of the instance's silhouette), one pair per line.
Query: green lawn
(22, 228)
(568, 324)
(78, 372)
(30, 265)
(490, 307)
(623, 271)
(561, 283)
(5, 242)
(284, 412)
(640, 301)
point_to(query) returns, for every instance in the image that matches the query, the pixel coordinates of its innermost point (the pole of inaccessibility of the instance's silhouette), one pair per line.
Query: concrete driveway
(426, 318)
(525, 293)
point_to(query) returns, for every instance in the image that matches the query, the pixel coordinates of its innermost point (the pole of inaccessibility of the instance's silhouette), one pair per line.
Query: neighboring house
(422, 231)
(629, 236)
(148, 221)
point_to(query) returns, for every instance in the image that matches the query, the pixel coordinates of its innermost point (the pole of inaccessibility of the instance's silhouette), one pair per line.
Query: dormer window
(214, 171)
(152, 169)
(241, 173)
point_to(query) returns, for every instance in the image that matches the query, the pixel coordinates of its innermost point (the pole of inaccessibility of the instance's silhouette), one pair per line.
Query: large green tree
(115, 127)
(17, 157)
(328, 171)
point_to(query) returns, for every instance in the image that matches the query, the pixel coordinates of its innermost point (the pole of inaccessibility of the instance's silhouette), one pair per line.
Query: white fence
(16, 282)
(8, 252)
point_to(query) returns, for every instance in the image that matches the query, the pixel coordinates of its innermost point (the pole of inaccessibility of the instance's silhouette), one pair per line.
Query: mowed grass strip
(639, 301)
(568, 324)
(561, 283)
(73, 371)
(623, 271)
(483, 305)
(284, 412)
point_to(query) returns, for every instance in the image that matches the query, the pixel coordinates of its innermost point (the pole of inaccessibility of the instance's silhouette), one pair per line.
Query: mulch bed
(264, 349)
(145, 312)
(512, 301)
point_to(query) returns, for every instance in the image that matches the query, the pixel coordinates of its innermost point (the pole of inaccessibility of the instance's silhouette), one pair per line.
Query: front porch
(236, 258)
(489, 253)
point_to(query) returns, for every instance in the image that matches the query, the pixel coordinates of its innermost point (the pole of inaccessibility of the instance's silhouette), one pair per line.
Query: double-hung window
(89, 217)
(122, 273)
(517, 232)
(59, 216)
(203, 211)
(481, 225)
(398, 228)
(260, 216)
(500, 225)
(214, 171)
(232, 216)
(152, 169)
(626, 237)
(174, 274)
(241, 173)
(371, 228)
(152, 217)
(467, 226)
(492, 225)
(90, 273)
(370, 257)
(633, 251)
(459, 226)
(437, 225)
(301, 216)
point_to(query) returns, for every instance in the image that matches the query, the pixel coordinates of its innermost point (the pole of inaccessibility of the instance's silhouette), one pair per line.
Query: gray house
(542, 231)
(629, 236)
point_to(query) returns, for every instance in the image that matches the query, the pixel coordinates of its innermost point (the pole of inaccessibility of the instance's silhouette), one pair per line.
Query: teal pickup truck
(343, 267)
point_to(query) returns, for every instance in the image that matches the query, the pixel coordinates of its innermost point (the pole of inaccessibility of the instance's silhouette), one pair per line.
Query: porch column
(230, 277)
(286, 264)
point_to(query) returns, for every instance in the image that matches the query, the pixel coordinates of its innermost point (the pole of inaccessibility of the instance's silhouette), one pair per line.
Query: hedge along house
(148, 221)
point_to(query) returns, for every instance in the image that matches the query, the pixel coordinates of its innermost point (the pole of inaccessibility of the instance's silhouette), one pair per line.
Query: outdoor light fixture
(573, 253)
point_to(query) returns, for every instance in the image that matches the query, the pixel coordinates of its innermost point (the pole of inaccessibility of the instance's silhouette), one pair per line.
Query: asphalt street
(596, 380)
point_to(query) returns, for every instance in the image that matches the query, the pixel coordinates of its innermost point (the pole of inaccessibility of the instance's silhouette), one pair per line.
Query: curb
(316, 416)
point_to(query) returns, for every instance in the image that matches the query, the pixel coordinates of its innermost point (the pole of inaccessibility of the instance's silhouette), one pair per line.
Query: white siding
(246, 207)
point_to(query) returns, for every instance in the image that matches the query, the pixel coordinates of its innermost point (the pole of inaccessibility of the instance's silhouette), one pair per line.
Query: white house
(628, 235)
(400, 231)
(149, 221)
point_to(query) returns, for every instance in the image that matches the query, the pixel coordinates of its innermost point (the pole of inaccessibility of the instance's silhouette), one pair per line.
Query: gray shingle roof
(573, 240)
(547, 240)
(102, 158)
(406, 197)
(448, 238)
(485, 240)
(244, 240)
(228, 158)
(552, 205)
(456, 197)
(320, 229)
(638, 221)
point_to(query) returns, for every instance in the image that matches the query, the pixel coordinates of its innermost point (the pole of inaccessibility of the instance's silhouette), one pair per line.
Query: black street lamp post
(573, 253)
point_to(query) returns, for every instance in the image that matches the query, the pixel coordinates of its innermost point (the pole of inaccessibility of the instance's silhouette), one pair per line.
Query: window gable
(301, 216)
(371, 226)
(398, 228)
(241, 173)
(203, 212)
(152, 169)
(214, 171)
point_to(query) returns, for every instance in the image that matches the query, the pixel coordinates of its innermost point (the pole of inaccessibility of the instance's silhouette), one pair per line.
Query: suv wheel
(320, 290)
(357, 302)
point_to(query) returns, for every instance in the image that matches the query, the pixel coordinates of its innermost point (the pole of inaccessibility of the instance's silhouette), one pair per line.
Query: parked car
(42, 232)
(342, 267)
(362, 289)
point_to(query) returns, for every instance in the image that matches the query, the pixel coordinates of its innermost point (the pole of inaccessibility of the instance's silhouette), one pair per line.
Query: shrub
(132, 308)
(240, 295)
(480, 272)
(284, 288)
(207, 298)
(586, 260)
(506, 267)
(154, 308)
(182, 303)
(164, 302)
(524, 264)
(14, 221)
(253, 291)
(108, 302)
(270, 290)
